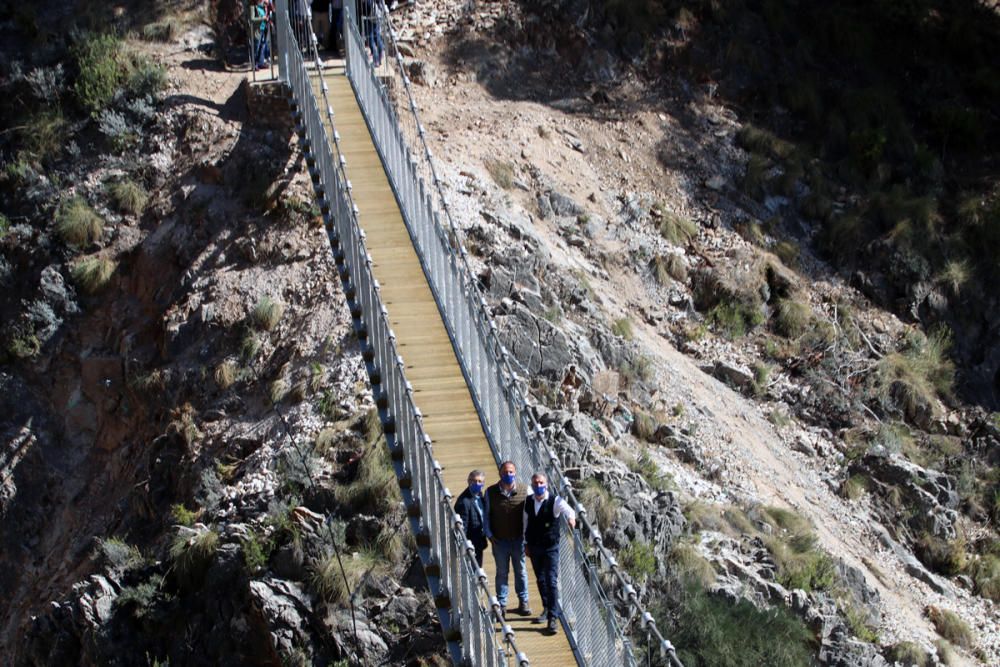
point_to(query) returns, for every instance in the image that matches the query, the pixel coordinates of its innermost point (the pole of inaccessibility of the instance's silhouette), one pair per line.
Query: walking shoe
(552, 627)
(523, 609)
(542, 617)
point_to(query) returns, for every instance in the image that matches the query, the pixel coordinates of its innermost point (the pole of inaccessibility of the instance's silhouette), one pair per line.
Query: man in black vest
(541, 542)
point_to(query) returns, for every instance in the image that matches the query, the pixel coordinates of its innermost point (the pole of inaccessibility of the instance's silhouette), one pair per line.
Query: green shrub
(639, 560)
(911, 379)
(159, 31)
(689, 565)
(751, 232)
(858, 624)
(669, 266)
(78, 224)
(647, 468)
(947, 654)
(502, 173)
(144, 78)
(45, 133)
(267, 313)
(639, 369)
(643, 426)
(374, 489)
(955, 275)
(758, 140)
(711, 632)
(951, 627)
(793, 545)
(128, 196)
(121, 556)
(600, 504)
(761, 375)
(182, 516)
(226, 374)
(142, 597)
(792, 318)
(92, 274)
(250, 345)
(985, 572)
(101, 71)
(622, 327)
(908, 654)
(676, 228)
(854, 487)
(787, 252)
(192, 551)
(278, 390)
(329, 573)
(256, 552)
(735, 317)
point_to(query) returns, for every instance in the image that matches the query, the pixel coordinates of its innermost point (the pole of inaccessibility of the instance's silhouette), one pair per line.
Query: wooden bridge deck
(440, 390)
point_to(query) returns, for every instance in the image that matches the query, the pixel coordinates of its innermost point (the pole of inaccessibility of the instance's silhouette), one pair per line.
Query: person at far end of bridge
(505, 530)
(336, 11)
(471, 506)
(541, 542)
(260, 15)
(372, 30)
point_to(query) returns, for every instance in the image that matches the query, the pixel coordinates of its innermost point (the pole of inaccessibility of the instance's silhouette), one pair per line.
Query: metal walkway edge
(439, 388)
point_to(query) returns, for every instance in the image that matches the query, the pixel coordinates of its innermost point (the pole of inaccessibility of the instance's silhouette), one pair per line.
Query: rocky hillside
(787, 442)
(634, 217)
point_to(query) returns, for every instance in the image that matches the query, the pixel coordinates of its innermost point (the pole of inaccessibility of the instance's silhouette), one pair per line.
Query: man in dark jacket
(471, 506)
(505, 530)
(542, 511)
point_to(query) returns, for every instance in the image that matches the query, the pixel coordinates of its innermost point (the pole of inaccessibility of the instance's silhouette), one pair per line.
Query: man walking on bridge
(505, 529)
(541, 541)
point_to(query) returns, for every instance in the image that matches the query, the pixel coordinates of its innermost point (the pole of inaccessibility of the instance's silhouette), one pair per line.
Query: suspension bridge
(447, 396)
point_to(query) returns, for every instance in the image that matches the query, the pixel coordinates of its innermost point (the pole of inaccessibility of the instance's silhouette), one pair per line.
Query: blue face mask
(508, 477)
(540, 490)
(475, 487)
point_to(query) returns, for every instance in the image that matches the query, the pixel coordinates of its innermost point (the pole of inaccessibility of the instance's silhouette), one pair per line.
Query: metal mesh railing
(513, 432)
(456, 580)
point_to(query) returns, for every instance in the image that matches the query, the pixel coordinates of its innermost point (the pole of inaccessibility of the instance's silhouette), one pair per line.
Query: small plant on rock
(622, 327)
(676, 228)
(92, 274)
(78, 224)
(909, 654)
(192, 550)
(951, 627)
(792, 318)
(501, 172)
(639, 560)
(267, 313)
(226, 374)
(128, 196)
(599, 502)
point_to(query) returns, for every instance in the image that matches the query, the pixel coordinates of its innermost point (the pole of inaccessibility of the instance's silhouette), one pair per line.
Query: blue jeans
(373, 36)
(506, 552)
(262, 50)
(545, 563)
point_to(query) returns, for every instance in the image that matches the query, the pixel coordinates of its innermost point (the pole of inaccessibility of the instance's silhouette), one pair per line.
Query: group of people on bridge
(516, 524)
(327, 24)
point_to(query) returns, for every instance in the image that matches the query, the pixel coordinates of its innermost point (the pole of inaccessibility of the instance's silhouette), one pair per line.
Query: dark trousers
(545, 563)
(479, 556)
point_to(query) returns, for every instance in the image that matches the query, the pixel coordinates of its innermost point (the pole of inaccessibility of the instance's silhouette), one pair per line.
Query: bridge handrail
(530, 430)
(463, 583)
(512, 429)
